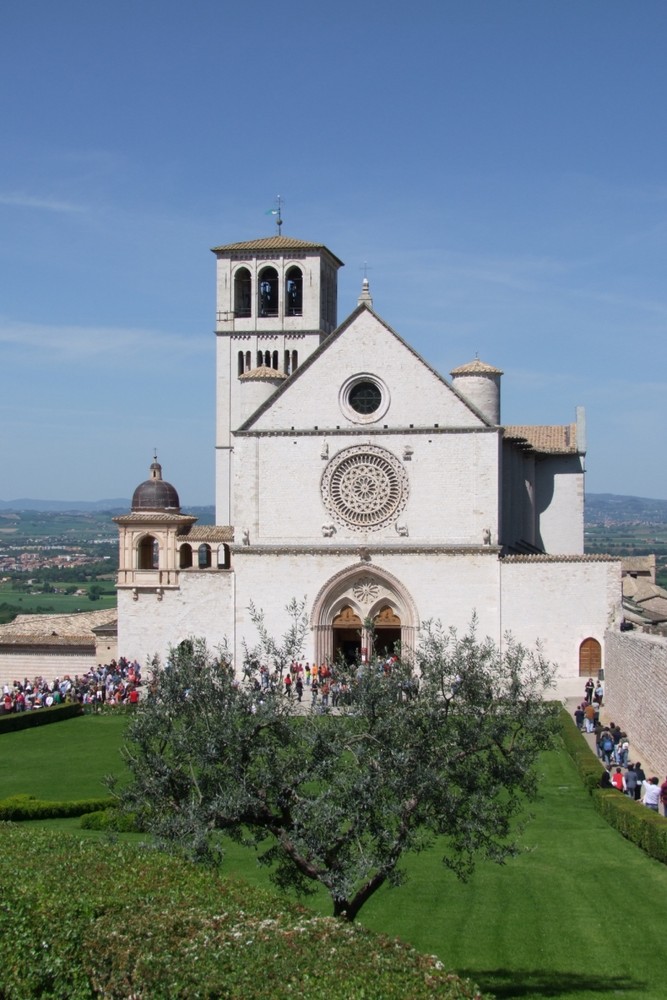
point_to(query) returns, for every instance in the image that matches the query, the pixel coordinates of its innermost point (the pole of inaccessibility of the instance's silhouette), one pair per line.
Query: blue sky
(500, 165)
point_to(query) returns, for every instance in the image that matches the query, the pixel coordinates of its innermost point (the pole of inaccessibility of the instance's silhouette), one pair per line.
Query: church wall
(445, 586)
(48, 663)
(560, 504)
(453, 495)
(561, 603)
(636, 691)
(202, 606)
(417, 396)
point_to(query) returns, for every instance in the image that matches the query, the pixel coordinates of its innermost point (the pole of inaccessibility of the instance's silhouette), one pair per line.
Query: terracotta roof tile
(476, 367)
(56, 630)
(269, 243)
(263, 372)
(549, 440)
(209, 533)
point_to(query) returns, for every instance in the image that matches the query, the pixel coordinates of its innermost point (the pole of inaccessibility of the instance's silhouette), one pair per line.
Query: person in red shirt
(617, 779)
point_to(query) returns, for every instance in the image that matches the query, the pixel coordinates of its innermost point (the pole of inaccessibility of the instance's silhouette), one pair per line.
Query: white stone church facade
(351, 473)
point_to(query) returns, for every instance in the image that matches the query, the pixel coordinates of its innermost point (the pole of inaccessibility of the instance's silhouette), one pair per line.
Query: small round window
(365, 397)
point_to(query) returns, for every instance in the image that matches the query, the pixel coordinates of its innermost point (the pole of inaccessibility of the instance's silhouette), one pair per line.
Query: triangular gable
(364, 343)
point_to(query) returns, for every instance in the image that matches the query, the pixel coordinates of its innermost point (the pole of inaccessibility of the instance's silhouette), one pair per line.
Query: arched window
(241, 360)
(223, 557)
(267, 288)
(267, 358)
(242, 296)
(294, 292)
(274, 360)
(260, 359)
(287, 363)
(204, 556)
(148, 553)
(248, 364)
(295, 360)
(185, 556)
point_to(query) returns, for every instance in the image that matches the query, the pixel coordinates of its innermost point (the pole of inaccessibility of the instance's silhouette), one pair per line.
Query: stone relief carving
(328, 530)
(245, 537)
(365, 590)
(365, 487)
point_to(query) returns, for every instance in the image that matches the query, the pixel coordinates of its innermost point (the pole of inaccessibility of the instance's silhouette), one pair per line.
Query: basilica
(352, 474)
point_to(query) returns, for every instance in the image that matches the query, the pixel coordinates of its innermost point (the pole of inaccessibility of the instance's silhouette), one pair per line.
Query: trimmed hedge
(78, 922)
(25, 807)
(589, 767)
(634, 821)
(13, 721)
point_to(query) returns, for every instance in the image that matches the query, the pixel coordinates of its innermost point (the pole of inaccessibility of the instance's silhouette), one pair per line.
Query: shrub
(641, 826)
(124, 922)
(14, 721)
(25, 807)
(111, 819)
(588, 766)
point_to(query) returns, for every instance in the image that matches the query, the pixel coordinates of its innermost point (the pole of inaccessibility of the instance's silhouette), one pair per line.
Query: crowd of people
(322, 685)
(115, 683)
(613, 749)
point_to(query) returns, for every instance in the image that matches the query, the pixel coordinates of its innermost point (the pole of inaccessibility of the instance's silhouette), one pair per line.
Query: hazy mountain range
(600, 508)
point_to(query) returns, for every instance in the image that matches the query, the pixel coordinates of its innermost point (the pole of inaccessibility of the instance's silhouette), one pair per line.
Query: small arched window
(185, 556)
(223, 557)
(241, 360)
(204, 556)
(267, 288)
(242, 295)
(267, 358)
(148, 553)
(274, 360)
(294, 292)
(295, 360)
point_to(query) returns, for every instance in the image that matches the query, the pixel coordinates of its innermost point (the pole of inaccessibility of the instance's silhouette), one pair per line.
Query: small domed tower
(148, 554)
(155, 493)
(479, 383)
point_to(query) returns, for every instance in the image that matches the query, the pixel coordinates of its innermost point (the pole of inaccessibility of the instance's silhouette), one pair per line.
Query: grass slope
(580, 914)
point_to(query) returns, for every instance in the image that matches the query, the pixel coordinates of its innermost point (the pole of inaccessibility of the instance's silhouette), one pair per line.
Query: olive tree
(442, 748)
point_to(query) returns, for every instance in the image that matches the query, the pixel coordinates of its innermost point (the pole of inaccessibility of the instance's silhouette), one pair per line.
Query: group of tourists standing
(613, 749)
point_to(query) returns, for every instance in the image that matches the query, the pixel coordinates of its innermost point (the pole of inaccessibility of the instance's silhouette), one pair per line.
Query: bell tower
(276, 302)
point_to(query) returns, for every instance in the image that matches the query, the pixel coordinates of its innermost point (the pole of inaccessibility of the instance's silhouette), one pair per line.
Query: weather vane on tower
(277, 212)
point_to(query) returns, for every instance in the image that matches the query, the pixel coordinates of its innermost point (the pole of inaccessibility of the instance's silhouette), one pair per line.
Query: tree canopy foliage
(443, 744)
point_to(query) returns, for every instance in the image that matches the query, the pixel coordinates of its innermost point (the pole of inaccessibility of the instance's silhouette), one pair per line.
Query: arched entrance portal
(356, 603)
(387, 628)
(347, 631)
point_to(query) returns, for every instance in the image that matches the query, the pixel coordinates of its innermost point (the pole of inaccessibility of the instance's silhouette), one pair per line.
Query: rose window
(365, 487)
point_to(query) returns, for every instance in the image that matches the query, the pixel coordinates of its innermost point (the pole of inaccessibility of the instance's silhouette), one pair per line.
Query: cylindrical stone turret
(480, 384)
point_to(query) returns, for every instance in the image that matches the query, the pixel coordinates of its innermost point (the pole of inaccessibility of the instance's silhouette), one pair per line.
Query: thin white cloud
(87, 343)
(18, 200)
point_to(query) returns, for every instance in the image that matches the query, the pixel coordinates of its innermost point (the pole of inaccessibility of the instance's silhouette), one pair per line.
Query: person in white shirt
(651, 794)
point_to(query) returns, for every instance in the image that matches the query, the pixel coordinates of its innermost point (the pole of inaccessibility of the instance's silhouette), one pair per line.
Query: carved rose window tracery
(365, 487)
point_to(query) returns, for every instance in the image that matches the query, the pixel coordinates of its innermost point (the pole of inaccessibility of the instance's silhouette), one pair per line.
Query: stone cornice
(365, 552)
(363, 431)
(546, 558)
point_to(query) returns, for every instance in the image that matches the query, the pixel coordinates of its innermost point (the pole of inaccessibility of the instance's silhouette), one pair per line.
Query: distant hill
(601, 508)
(118, 505)
(610, 508)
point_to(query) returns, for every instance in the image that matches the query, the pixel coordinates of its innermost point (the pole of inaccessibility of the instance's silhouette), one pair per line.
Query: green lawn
(580, 914)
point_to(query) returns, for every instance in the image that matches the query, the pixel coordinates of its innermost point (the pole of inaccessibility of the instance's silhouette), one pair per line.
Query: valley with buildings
(56, 560)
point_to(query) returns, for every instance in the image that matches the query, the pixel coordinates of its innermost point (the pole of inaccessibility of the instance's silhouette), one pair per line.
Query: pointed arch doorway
(357, 602)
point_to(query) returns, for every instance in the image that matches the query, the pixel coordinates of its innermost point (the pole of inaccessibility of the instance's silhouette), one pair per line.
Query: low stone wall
(636, 691)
